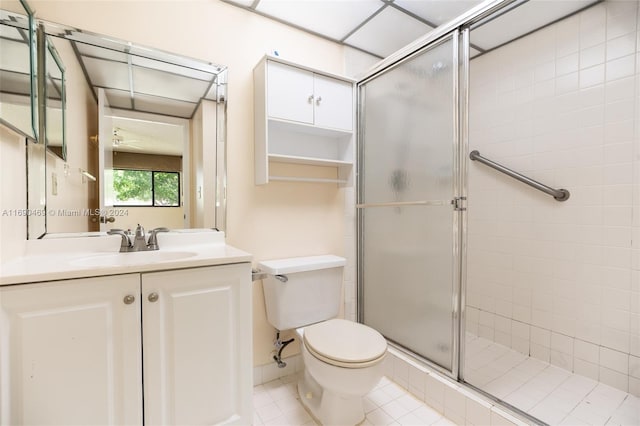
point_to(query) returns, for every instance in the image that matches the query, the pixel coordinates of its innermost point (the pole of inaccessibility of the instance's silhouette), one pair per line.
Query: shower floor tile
(277, 403)
(553, 395)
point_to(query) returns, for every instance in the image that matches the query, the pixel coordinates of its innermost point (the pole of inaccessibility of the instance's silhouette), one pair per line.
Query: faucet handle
(125, 243)
(153, 239)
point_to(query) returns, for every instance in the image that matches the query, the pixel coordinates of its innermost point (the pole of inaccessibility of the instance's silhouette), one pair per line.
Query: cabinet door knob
(153, 297)
(129, 299)
(310, 99)
(318, 100)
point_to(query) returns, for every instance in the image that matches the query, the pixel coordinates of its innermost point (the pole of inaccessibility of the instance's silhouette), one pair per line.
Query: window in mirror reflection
(146, 188)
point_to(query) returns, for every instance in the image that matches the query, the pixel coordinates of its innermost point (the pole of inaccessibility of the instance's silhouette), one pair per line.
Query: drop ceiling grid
(360, 23)
(381, 27)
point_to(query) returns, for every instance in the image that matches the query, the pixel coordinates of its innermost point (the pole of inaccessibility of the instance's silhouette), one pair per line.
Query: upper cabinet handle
(310, 99)
(319, 100)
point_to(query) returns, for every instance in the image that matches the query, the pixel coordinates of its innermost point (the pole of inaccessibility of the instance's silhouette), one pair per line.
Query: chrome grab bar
(558, 194)
(405, 203)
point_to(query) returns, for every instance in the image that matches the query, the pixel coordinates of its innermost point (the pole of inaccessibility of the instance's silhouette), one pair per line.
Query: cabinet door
(289, 93)
(333, 103)
(70, 352)
(198, 346)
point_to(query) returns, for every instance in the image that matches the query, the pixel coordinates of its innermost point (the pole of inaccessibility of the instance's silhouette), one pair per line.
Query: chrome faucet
(139, 241)
(153, 238)
(125, 244)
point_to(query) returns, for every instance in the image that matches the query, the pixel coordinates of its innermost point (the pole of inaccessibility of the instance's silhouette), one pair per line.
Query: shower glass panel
(407, 250)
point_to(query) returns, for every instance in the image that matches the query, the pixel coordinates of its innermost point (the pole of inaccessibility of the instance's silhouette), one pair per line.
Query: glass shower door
(408, 219)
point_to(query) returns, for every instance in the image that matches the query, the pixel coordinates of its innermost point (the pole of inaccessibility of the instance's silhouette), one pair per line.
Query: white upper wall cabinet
(291, 92)
(333, 103)
(302, 116)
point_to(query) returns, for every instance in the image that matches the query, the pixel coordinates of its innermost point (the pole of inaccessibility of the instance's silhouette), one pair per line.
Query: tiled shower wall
(560, 281)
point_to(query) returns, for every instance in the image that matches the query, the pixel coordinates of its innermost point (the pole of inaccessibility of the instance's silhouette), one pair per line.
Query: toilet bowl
(342, 363)
(342, 359)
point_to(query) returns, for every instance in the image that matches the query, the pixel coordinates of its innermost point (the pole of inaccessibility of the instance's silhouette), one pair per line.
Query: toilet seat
(345, 343)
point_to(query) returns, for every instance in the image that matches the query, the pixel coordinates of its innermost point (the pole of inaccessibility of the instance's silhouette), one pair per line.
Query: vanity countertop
(91, 256)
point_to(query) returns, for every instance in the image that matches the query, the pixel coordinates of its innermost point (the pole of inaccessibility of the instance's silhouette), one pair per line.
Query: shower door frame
(458, 29)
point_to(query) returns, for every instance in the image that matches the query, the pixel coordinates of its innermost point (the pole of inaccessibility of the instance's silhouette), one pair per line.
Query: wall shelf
(307, 179)
(303, 117)
(277, 158)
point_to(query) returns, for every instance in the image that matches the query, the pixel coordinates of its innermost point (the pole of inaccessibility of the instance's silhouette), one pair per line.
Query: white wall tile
(592, 56)
(586, 351)
(543, 353)
(595, 75)
(401, 372)
(562, 343)
(571, 120)
(417, 380)
(614, 360)
(614, 378)
(585, 368)
(454, 404)
(562, 360)
(634, 386)
(634, 366)
(434, 393)
(477, 412)
(620, 68)
(621, 46)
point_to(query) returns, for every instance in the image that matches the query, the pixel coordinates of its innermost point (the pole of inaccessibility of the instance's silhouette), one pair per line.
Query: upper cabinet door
(71, 352)
(333, 103)
(289, 93)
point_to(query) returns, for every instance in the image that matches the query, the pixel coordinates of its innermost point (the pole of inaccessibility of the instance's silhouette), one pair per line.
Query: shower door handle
(405, 203)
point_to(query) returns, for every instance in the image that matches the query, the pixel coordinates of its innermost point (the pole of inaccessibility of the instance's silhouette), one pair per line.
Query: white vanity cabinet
(302, 116)
(197, 346)
(70, 352)
(85, 351)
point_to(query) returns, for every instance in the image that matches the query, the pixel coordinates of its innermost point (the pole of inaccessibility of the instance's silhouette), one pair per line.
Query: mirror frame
(49, 48)
(33, 50)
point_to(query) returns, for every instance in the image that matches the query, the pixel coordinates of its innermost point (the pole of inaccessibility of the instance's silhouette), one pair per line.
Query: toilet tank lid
(301, 264)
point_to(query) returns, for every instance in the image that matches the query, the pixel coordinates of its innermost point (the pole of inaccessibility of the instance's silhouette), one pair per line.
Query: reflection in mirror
(17, 72)
(149, 169)
(54, 95)
(160, 113)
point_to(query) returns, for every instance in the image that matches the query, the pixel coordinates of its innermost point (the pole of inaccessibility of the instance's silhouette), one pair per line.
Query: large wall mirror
(145, 134)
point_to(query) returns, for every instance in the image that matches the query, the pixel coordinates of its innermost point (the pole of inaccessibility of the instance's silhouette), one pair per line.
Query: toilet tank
(311, 293)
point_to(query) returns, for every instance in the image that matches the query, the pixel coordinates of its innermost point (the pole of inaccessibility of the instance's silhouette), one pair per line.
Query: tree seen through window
(146, 188)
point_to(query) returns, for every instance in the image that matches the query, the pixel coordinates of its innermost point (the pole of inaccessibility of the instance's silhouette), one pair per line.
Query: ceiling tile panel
(522, 20)
(387, 32)
(334, 19)
(437, 11)
(245, 3)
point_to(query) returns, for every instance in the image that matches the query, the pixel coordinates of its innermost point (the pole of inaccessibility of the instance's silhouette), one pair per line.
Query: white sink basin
(133, 258)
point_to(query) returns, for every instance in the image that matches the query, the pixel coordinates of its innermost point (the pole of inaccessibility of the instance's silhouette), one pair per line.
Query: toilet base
(328, 408)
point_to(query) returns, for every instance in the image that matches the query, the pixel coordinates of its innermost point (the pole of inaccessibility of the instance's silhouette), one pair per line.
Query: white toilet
(342, 359)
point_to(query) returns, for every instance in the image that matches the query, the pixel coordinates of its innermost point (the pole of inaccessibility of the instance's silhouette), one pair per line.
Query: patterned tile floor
(277, 403)
(549, 393)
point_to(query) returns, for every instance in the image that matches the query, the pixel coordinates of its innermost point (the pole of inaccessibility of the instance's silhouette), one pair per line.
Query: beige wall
(276, 220)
